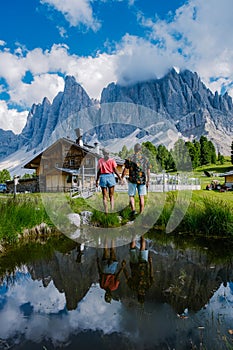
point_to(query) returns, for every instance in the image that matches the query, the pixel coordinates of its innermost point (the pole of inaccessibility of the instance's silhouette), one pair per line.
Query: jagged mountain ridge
(179, 101)
(182, 98)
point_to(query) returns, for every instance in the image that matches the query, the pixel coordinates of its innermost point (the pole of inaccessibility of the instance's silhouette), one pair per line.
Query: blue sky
(101, 41)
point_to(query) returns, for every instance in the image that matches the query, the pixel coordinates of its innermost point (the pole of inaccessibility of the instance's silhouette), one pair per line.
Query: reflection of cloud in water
(95, 314)
(43, 300)
(92, 313)
(222, 301)
(30, 311)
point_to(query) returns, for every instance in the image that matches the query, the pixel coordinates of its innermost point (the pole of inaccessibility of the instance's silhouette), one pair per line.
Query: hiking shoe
(133, 214)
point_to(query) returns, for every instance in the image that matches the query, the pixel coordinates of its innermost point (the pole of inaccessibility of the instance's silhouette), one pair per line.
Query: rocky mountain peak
(180, 99)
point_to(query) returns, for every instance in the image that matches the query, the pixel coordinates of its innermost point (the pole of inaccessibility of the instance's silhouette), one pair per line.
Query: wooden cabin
(65, 165)
(228, 179)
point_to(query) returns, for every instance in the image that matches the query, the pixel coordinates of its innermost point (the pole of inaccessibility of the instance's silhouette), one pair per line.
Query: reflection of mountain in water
(184, 279)
(68, 275)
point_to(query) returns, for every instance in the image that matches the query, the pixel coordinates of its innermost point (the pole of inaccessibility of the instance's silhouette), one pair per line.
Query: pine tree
(150, 152)
(212, 152)
(162, 154)
(221, 159)
(181, 156)
(194, 152)
(205, 151)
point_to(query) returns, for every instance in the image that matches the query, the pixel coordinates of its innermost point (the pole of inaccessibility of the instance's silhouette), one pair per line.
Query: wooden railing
(83, 192)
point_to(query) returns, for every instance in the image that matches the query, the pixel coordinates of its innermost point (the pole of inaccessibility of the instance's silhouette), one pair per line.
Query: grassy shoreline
(206, 213)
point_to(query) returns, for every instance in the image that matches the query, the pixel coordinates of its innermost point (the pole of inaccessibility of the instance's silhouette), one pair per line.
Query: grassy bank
(206, 213)
(24, 211)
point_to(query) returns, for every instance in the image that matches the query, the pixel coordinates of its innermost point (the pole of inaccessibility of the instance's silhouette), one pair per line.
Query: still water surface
(51, 299)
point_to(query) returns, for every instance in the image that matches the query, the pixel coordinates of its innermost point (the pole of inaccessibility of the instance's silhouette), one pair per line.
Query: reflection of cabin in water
(65, 165)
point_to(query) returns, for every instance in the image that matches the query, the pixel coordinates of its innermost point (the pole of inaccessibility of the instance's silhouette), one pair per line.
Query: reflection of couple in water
(141, 277)
(109, 272)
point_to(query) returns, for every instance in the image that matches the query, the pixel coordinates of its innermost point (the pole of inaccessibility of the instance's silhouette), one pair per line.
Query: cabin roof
(37, 158)
(227, 173)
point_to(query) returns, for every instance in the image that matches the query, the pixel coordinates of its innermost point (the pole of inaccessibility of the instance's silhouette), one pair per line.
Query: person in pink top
(107, 167)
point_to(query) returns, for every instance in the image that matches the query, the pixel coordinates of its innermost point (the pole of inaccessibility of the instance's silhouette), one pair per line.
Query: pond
(50, 298)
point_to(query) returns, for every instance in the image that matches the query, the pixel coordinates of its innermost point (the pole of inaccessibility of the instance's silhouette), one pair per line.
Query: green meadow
(207, 213)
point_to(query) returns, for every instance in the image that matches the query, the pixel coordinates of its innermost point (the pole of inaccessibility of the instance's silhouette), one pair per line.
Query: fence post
(16, 181)
(163, 180)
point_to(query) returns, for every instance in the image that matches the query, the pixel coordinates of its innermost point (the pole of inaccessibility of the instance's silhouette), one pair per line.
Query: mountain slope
(160, 110)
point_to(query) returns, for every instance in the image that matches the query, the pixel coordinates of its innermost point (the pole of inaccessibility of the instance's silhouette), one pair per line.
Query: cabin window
(88, 161)
(71, 162)
(69, 179)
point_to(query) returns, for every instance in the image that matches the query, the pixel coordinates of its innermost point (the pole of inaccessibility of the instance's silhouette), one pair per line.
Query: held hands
(123, 263)
(122, 181)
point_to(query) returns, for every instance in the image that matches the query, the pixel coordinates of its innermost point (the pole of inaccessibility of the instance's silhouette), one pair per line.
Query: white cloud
(75, 12)
(41, 65)
(43, 85)
(62, 32)
(139, 60)
(12, 67)
(92, 72)
(198, 38)
(11, 119)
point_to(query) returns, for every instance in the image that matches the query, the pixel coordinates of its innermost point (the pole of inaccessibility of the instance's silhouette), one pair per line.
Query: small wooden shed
(228, 179)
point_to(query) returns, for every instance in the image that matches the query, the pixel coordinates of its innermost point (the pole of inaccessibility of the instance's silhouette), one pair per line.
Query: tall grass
(19, 213)
(218, 218)
(208, 216)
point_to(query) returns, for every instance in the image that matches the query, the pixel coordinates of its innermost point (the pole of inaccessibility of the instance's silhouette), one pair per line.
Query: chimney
(97, 147)
(79, 134)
